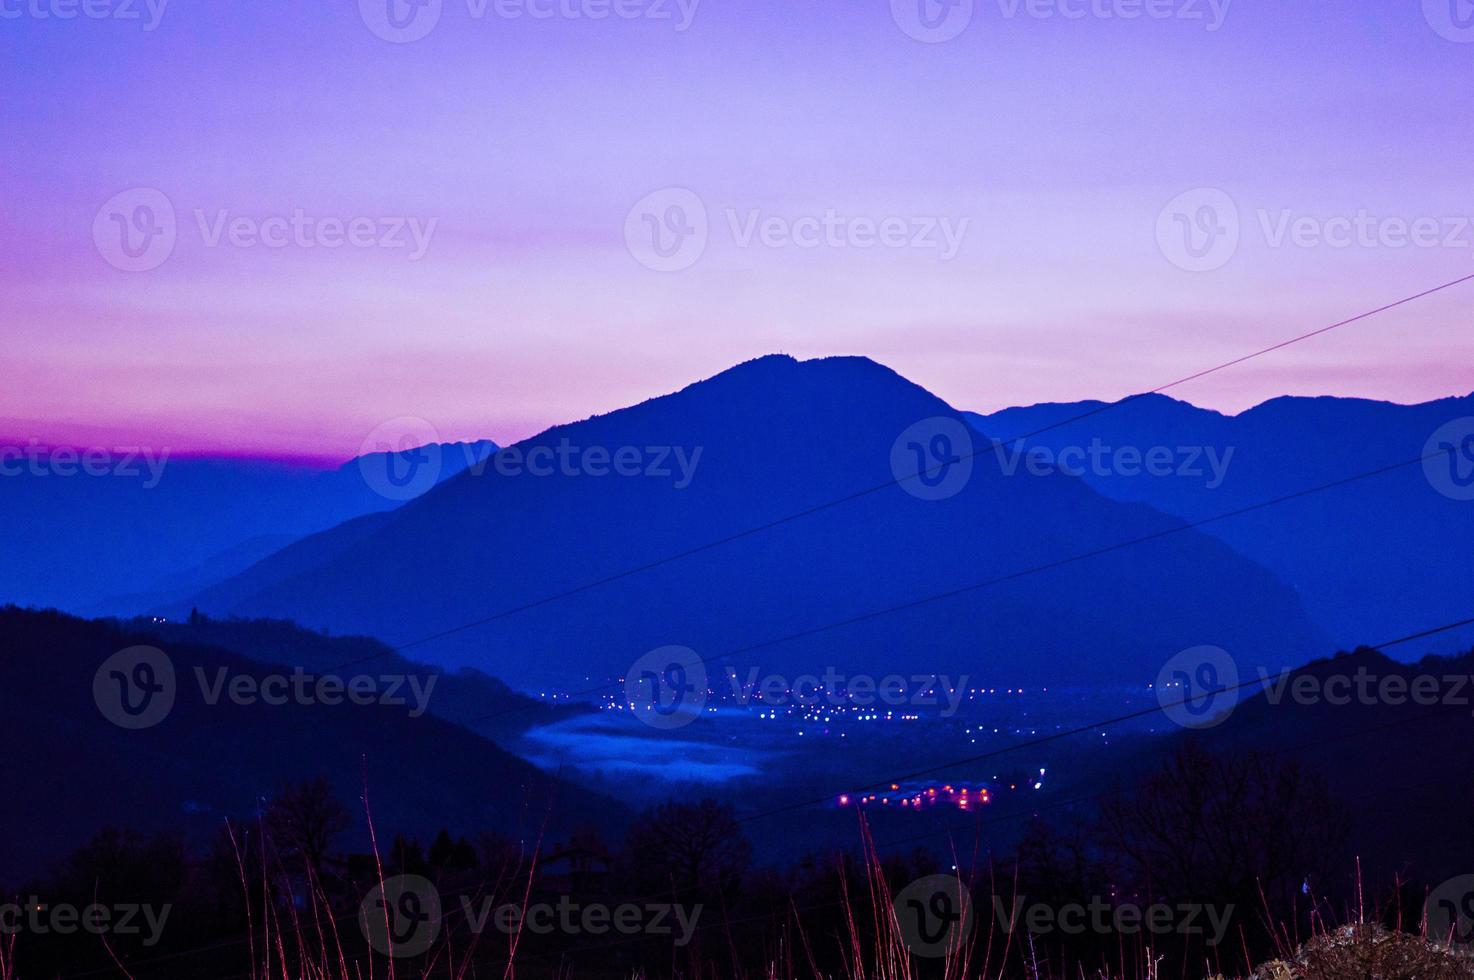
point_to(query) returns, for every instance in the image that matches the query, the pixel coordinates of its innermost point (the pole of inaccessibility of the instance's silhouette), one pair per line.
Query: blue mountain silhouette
(119, 544)
(1380, 558)
(776, 437)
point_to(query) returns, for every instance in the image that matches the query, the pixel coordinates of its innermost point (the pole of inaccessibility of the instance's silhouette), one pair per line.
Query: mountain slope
(204, 762)
(466, 697)
(777, 436)
(1390, 763)
(151, 529)
(1376, 559)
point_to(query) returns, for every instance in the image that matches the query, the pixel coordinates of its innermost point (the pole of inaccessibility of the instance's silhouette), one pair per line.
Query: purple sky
(1058, 140)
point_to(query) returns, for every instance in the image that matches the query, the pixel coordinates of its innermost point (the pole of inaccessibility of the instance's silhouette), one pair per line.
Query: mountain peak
(779, 365)
(851, 374)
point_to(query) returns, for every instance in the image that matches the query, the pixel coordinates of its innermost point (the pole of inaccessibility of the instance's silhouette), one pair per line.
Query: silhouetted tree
(1216, 827)
(501, 857)
(697, 850)
(407, 856)
(303, 820)
(1055, 864)
(122, 865)
(451, 855)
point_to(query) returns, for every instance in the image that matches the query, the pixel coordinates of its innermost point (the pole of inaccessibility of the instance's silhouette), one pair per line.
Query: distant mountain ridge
(118, 544)
(467, 697)
(775, 437)
(1376, 559)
